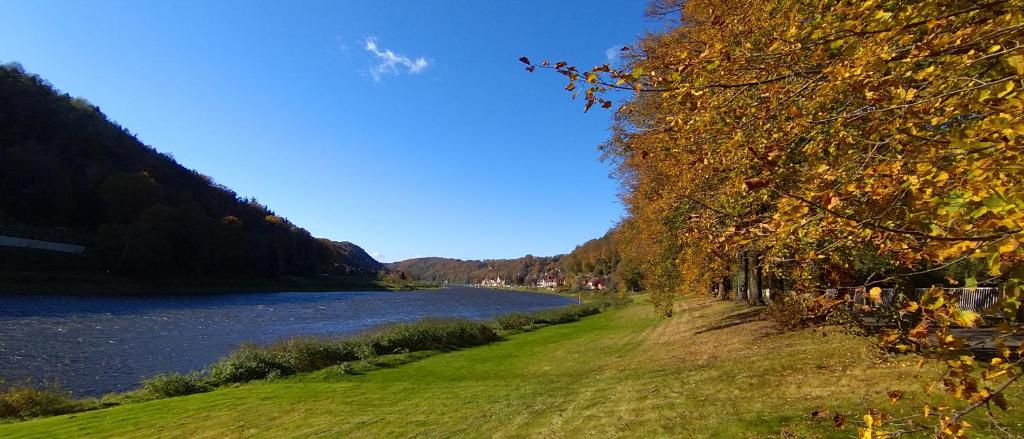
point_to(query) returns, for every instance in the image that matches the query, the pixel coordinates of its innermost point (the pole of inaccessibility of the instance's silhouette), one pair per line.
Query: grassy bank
(711, 371)
(385, 345)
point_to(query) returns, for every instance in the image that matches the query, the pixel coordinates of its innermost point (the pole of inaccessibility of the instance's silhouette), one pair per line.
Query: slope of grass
(711, 371)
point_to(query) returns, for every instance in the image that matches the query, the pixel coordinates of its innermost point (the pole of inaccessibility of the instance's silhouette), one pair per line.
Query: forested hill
(520, 271)
(596, 258)
(68, 173)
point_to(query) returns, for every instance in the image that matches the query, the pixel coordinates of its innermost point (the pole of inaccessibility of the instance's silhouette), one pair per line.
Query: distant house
(548, 282)
(495, 282)
(596, 283)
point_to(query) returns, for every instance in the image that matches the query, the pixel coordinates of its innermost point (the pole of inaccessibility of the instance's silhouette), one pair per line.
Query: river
(96, 345)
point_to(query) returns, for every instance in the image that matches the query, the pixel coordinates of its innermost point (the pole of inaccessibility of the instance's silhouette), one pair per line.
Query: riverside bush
(514, 322)
(30, 402)
(251, 362)
(307, 355)
(431, 335)
(564, 315)
(176, 384)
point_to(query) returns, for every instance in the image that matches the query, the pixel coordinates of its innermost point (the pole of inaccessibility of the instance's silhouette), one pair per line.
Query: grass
(714, 370)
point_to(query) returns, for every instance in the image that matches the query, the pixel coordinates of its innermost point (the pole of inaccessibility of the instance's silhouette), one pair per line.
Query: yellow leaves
(875, 294)
(867, 432)
(274, 219)
(1008, 87)
(888, 336)
(909, 306)
(949, 250)
(1017, 63)
(863, 138)
(920, 332)
(966, 318)
(924, 73)
(933, 299)
(980, 395)
(995, 374)
(905, 94)
(952, 428)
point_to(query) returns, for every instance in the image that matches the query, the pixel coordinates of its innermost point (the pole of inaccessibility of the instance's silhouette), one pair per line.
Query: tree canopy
(845, 144)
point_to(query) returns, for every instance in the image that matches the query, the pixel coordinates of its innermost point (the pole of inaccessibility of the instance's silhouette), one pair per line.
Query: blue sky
(407, 127)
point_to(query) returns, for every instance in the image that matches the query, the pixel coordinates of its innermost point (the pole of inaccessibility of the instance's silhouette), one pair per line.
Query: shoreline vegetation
(380, 347)
(622, 372)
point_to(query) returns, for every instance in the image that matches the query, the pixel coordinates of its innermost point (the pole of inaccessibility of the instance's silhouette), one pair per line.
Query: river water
(96, 345)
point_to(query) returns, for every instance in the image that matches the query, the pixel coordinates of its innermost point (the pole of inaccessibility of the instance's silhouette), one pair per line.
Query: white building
(548, 282)
(493, 282)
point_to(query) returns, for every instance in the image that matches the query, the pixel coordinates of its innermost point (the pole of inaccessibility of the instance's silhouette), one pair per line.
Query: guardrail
(11, 241)
(51, 234)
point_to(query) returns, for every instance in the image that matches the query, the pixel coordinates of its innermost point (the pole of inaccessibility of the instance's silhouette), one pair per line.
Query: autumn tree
(843, 144)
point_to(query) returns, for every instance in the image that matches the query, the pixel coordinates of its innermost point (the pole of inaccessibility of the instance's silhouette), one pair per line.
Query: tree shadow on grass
(735, 319)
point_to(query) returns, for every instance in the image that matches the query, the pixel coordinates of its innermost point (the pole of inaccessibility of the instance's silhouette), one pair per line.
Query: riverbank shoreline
(384, 346)
(92, 345)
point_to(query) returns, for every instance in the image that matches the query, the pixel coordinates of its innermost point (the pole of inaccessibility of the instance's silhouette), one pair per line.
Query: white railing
(973, 299)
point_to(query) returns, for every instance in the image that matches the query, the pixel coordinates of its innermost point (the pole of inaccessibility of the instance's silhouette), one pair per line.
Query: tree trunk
(722, 292)
(741, 289)
(755, 297)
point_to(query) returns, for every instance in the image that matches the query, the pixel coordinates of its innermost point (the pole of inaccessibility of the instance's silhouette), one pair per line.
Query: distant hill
(596, 258)
(520, 271)
(348, 258)
(69, 174)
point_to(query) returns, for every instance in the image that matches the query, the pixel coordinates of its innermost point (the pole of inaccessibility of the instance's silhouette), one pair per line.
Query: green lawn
(711, 371)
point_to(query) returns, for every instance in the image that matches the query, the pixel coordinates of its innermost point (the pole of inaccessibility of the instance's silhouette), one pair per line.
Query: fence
(973, 299)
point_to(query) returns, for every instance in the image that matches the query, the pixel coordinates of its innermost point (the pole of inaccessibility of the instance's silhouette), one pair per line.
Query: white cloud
(377, 255)
(613, 54)
(389, 62)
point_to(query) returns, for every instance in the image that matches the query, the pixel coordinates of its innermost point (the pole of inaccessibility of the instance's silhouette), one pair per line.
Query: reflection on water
(95, 345)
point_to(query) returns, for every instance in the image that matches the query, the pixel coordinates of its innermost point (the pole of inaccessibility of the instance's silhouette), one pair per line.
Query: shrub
(175, 384)
(28, 402)
(249, 363)
(564, 315)
(431, 335)
(514, 321)
(309, 355)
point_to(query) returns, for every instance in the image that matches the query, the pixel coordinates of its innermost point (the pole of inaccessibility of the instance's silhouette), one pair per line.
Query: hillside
(713, 371)
(519, 271)
(598, 257)
(69, 174)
